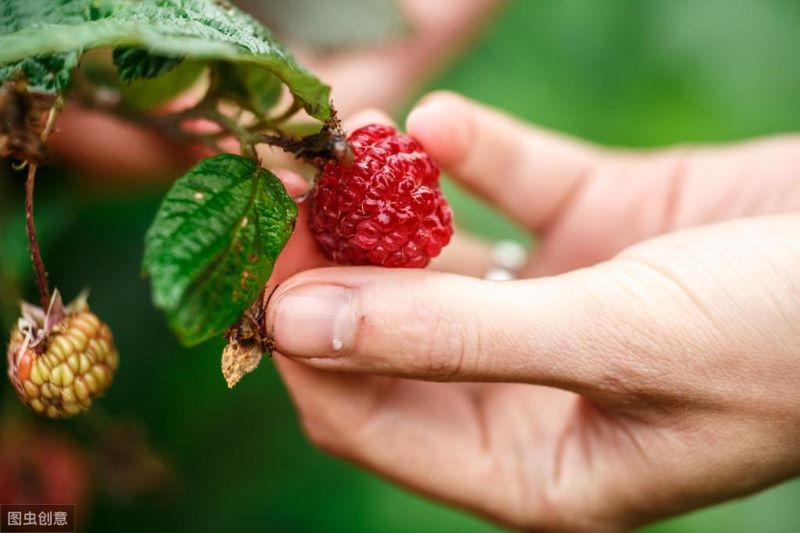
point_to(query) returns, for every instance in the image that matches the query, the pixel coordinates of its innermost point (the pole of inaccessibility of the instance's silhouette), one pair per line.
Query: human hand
(624, 383)
(384, 75)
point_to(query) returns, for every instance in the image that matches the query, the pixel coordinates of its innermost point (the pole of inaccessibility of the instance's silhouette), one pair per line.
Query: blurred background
(171, 448)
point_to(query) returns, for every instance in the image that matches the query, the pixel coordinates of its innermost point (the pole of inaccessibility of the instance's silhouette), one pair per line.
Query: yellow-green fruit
(74, 364)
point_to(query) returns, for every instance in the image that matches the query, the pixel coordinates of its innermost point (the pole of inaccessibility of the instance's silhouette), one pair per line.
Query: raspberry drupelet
(385, 209)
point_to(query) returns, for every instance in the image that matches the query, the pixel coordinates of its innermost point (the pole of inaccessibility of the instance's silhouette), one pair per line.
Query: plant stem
(30, 185)
(36, 253)
(316, 148)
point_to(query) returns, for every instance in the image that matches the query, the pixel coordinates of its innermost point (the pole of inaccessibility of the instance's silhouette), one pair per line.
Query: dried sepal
(247, 343)
(22, 122)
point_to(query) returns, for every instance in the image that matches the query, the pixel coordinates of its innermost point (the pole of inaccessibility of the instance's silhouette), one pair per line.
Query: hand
(383, 76)
(386, 74)
(624, 383)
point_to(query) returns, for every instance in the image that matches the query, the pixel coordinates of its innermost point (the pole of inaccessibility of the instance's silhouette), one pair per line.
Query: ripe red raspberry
(386, 208)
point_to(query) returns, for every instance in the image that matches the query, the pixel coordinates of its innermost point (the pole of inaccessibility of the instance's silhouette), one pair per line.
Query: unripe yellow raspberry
(59, 373)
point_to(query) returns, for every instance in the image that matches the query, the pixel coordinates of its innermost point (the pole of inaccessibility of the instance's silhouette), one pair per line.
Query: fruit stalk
(33, 242)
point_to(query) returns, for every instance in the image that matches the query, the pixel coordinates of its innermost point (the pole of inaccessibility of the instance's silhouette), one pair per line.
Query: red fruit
(386, 208)
(41, 467)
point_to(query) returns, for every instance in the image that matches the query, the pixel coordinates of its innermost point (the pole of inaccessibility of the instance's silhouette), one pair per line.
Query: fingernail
(313, 321)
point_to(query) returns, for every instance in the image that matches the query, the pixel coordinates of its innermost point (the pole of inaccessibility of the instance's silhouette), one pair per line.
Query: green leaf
(45, 72)
(197, 29)
(146, 93)
(213, 244)
(135, 63)
(256, 90)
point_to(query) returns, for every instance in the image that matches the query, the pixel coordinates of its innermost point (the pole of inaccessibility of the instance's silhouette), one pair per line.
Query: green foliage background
(623, 72)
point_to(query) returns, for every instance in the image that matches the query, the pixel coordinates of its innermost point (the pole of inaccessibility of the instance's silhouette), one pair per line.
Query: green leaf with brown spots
(213, 244)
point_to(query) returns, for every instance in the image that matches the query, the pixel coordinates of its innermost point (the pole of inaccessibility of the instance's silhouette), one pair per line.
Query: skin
(646, 367)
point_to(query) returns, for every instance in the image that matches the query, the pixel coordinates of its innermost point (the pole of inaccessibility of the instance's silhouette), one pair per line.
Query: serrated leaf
(136, 63)
(146, 93)
(199, 29)
(256, 90)
(47, 73)
(213, 244)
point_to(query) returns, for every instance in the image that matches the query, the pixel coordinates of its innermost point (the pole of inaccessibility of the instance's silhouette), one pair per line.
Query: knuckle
(629, 342)
(627, 381)
(443, 348)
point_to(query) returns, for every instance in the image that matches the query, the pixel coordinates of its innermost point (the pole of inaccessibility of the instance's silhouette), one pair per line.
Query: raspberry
(57, 370)
(40, 466)
(386, 208)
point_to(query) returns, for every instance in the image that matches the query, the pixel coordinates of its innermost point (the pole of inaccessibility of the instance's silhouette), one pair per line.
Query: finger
(103, 145)
(571, 331)
(530, 174)
(465, 254)
(412, 324)
(301, 252)
(652, 322)
(294, 183)
(625, 328)
(425, 436)
(366, 117)
(385, 74)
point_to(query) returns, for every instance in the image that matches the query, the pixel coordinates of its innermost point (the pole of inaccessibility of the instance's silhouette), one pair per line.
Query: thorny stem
(36, 253)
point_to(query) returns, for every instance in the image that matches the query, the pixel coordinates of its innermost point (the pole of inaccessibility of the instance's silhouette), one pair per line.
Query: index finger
(530, 174)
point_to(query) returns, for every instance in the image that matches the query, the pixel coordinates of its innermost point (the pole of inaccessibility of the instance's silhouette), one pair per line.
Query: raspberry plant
(215, 238)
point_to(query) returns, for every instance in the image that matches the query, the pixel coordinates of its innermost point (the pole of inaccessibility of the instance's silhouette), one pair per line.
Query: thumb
(657, 321)
(572, 331)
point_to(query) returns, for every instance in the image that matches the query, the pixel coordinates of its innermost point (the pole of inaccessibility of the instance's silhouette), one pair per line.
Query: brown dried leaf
(22, 122)
(238, 360)
(247, 342)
